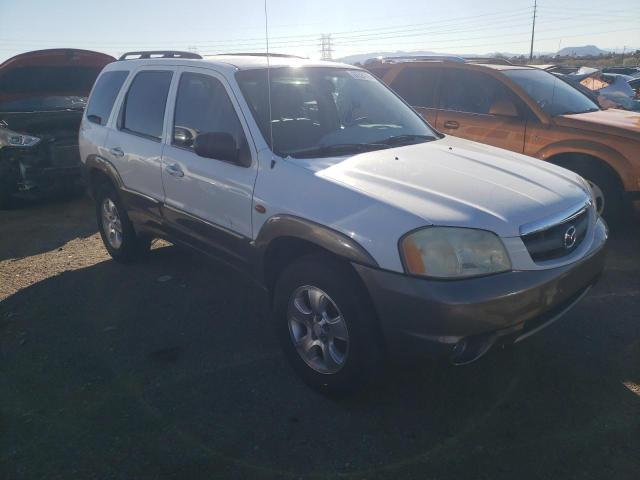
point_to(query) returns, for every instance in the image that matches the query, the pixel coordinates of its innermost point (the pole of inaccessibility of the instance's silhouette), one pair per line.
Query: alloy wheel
(111, 223)
(318, 330)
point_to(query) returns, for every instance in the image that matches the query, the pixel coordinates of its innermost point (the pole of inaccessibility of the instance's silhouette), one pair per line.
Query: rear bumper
(447, 317)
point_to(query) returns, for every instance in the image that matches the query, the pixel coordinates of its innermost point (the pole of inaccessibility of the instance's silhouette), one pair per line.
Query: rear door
(418, 85)
(208, 200)
(476, 106)
(134, 144)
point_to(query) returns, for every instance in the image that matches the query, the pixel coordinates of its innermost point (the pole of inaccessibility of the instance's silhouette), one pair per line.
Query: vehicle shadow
(169, 368)
(44, 225)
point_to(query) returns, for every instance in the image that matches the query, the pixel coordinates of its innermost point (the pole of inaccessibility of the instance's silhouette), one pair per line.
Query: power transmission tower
(326, 47)
(533, 28)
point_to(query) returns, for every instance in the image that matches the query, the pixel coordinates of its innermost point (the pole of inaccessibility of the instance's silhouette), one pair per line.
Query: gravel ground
(168, 369)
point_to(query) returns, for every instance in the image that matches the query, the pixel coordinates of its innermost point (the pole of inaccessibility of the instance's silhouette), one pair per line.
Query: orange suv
(526, 110)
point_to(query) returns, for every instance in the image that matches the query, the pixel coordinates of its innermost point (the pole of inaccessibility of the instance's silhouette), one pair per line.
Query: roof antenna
(266, 33)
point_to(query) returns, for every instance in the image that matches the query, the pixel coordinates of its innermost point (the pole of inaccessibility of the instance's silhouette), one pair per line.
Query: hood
(614, 122)
(456, 182)
(49, 73)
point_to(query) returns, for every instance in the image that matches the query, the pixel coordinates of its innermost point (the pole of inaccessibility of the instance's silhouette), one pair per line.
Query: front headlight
(449, 252)
(9, 138)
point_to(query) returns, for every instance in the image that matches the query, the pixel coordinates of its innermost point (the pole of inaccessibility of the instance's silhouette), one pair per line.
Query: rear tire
(116, 230)
(326, 327)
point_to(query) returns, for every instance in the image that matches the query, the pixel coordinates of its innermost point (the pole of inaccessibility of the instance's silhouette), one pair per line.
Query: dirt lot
(168, 369)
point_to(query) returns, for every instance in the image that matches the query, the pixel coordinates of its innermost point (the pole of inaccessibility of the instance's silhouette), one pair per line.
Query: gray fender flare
(289, 226)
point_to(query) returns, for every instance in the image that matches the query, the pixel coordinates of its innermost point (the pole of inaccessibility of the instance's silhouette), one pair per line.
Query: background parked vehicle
(42, 97)
(611, 90)
(530, 111)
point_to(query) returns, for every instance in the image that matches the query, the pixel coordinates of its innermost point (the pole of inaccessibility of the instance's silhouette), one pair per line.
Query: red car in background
(42, 97)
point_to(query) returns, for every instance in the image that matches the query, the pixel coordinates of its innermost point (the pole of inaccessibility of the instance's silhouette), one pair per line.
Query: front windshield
(554, 96)
(317, 111)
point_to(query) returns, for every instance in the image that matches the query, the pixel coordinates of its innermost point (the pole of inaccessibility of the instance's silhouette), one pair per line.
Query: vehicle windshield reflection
(318, 111)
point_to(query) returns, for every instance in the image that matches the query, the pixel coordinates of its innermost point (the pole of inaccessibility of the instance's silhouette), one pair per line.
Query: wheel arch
(285, 238)
(582, 151)
(97, 171)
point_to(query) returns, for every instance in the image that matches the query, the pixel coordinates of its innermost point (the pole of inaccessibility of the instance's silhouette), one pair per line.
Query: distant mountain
(585, 51)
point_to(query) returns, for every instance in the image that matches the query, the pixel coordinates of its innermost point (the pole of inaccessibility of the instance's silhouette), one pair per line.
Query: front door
(207, 201)
(478, 107)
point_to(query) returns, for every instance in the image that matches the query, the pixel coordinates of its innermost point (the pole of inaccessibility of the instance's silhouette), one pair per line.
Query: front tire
(116, 230)
(605, 185)
(325, 325)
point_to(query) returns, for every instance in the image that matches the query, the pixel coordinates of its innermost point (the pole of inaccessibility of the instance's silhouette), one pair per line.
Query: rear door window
(143, 109)
(471, 91)
(104, 94)
(417, 86)
(203, 106)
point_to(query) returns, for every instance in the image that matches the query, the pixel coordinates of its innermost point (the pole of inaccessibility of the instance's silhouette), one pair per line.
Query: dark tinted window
(144, 106)
(50, 80)
(104, 94)
(551, 93)
(417, 86)
(203, 106)
(471, 91)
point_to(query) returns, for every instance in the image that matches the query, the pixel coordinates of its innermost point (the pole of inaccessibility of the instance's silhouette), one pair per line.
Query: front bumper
(464, 318)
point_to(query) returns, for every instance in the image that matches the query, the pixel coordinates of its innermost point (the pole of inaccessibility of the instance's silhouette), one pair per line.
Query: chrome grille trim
(561, 217)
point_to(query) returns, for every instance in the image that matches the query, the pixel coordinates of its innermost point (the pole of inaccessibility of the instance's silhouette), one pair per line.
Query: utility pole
(326, 47)
(624, 49)
(533, 28)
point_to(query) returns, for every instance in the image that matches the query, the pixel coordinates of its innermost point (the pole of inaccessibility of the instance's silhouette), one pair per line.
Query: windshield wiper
(406, 139)
(336, 149)
(569, 112)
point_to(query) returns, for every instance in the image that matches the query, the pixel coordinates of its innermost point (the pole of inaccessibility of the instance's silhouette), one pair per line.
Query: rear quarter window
(104, 95)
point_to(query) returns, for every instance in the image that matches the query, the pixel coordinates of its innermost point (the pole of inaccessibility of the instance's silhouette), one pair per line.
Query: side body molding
(289, 226)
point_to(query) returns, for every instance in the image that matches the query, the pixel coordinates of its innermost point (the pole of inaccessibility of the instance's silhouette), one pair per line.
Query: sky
(355, 26)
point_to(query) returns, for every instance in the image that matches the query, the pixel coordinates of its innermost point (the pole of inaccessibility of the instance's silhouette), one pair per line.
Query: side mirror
(504, 107)
(182, 137)
(217, 145)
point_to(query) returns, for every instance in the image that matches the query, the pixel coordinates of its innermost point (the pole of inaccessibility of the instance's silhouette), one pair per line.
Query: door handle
(174, 170)
(116, 152)
(451, 124)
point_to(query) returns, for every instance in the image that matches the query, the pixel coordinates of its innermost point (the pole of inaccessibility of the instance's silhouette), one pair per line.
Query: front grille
(552, 243)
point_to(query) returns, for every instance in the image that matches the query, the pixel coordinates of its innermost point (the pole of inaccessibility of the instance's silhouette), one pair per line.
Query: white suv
(370, 230)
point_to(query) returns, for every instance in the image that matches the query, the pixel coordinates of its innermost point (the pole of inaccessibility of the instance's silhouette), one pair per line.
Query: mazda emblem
(570, 237)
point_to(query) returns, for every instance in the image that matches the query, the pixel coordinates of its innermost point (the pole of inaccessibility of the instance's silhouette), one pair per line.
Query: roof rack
(159, 54)
(416, 58)
(262, 54)
(488, 60)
